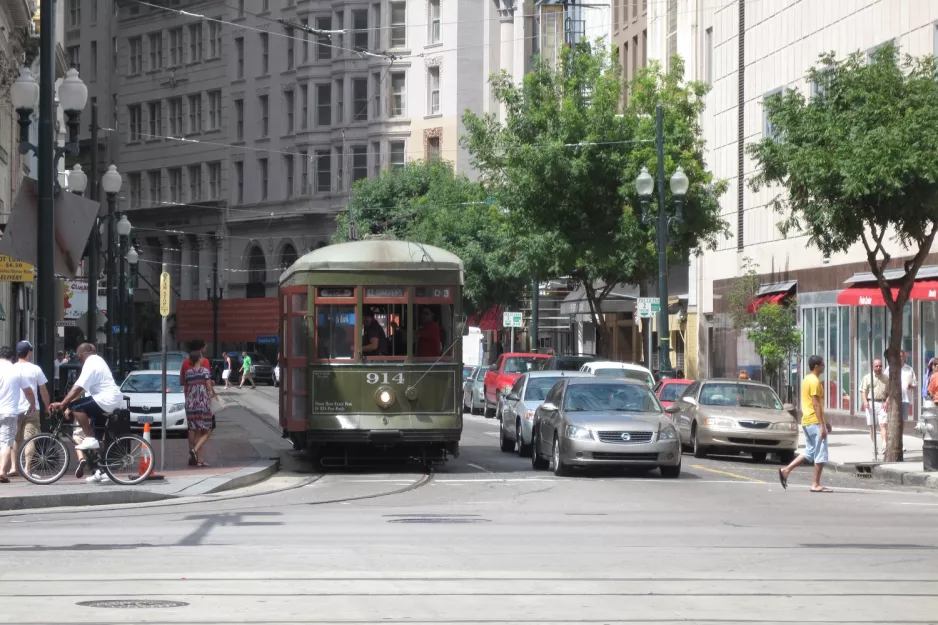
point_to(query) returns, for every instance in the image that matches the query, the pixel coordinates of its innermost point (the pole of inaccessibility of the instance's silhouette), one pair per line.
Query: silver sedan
(517, 407)
(473, 391)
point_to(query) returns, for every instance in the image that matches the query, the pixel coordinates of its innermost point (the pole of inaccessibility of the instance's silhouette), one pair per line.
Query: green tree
(564, 161)
(426, 202)
(856, 163)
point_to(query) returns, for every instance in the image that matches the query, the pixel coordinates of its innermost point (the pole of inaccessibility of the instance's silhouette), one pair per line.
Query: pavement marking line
(727, 473)
(475, 466)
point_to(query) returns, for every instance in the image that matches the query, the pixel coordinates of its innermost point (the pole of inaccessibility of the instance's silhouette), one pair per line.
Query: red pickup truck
(504, 373)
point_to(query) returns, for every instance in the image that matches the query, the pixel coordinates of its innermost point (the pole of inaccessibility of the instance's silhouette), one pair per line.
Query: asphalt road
(486, 540)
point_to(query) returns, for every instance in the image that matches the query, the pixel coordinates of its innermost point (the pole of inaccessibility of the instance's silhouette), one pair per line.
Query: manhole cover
(132, 604)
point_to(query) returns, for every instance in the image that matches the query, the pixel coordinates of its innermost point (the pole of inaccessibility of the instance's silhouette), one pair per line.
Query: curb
(891, 475)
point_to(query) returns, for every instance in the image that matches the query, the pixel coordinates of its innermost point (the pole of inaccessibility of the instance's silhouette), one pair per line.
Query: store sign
(334, 292)
(75, 305)
(12, 270)
(385, 292)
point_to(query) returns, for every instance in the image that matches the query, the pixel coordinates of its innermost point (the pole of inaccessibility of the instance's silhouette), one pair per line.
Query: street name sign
(648, 306)
(513, 320)
(164, 294)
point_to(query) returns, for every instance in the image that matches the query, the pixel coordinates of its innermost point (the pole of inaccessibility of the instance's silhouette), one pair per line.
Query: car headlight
(528, 415)
(575, 431)
(384, 397)
(177, 407)
(789, 426)
(719, 422)
(667, 433)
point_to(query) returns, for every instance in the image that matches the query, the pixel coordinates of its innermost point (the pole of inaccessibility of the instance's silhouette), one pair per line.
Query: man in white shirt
(104, 396)
(28, 424)
(908, 382)
(11, 387)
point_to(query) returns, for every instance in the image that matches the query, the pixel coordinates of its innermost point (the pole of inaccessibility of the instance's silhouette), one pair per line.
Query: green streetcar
(371, 352)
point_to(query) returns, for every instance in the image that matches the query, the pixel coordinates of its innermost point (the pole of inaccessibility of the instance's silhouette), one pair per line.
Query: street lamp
(679, 185)
(111, 183)
(77, 180)
(123, 233)
(214, 292)
(644, 184)
(132, 258)
(28, 97)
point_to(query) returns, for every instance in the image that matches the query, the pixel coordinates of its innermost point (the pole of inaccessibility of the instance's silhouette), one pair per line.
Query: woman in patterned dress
(199, 391)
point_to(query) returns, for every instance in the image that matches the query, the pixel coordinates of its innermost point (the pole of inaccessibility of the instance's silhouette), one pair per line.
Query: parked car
(501, 376)
(567, 362)
(144, 388)
(620, 370)
(735, 416)
(468, 371)
(261, 368)
(590, 421)
(668, 391)
(473, 392)
(518, 406)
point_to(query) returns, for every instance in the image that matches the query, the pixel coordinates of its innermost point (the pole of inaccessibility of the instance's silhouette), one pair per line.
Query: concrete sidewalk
(243, 450)
(851, 451)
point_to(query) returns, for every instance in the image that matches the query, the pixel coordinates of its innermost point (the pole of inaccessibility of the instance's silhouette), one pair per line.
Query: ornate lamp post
(111, 183)
(214, 292)
(123, 232)
(132, 258)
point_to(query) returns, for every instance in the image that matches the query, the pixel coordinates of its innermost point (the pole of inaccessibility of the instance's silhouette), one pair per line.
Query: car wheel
(489, 411)
(523, 450)
(759, 456)
(537, 463)
(559, 468)
(699, 450)
(504, 442)
(671, 472)
(786, 457)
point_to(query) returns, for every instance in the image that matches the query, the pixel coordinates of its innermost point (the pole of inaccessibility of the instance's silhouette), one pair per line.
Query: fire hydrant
(928, 427)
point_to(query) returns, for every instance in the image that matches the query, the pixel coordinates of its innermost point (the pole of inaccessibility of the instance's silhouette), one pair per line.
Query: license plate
(143, 418)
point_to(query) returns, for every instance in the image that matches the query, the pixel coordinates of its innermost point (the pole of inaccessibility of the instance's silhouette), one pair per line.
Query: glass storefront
(826, 332)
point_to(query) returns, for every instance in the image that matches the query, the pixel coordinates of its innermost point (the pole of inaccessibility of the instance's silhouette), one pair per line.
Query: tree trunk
(893, 451)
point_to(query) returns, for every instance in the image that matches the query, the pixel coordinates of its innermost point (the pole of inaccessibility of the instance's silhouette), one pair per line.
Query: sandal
(203, 464)
(822, 489)
(782, 479)
(4, 480)
(193, 458)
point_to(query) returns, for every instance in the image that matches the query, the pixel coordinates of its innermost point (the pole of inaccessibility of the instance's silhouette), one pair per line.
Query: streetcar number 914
(384, 378)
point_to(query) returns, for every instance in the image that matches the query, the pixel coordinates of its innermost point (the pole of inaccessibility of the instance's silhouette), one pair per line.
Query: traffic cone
(145, 457)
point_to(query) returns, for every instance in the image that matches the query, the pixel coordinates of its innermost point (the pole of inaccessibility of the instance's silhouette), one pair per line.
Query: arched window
(257, 274)
(287, 257)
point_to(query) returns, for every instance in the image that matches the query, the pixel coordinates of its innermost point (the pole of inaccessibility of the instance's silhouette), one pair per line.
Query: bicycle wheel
(43, 459)
(124, 458)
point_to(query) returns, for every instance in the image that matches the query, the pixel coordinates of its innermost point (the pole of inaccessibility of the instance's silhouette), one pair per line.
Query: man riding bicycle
(104, 396)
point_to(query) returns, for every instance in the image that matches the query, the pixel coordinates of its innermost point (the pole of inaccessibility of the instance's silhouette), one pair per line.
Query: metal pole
(872, 400)
(121, 302)
(512, 339)
(131, 325)
(45, 321)
(93, 269)
(650, 346)
(215, 308)
(535, 297)
(111, 274)
(664, 339)
(164, 331)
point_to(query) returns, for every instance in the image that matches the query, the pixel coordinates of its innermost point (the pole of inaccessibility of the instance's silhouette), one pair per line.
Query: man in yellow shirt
(814, 426)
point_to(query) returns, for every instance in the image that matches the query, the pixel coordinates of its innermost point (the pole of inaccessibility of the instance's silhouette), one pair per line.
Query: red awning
(490, 319)
(762, 300)
(925, 290)
(863, 296)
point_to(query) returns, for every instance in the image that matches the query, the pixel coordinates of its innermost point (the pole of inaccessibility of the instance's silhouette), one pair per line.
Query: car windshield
(467, 372)
(520, 364)
(569, 363)
(625, 374)
(257, 359)
(155, 362)
(743, 395)
(150, 384)
(614, 397)
(673, 391)
(538, 388)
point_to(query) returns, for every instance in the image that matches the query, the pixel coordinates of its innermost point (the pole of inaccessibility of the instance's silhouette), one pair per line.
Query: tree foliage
(424, 201)
(855, 164)
(564, 161)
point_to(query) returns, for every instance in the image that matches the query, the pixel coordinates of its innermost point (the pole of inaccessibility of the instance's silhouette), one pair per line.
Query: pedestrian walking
(930, 367)
(874, 389)
(246, 375)
(226, 374)
(57, 365)
(908, 382)
(11, 387)
(199, 390)
(814, 425)
(28, 421)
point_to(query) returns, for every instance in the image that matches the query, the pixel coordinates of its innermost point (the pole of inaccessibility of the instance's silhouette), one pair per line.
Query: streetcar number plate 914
(384, 378)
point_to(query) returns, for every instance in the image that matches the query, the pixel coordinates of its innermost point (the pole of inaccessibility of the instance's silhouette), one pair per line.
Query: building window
(339, 19)
(156, 119)
(175, 47)
(304, 172)
(94, 11)
(195, 183)
(433, 91)
(134, 180)
(359, 162)
(360, 29)
(376, 26)
(214, 180)
(265, 115)
(398, 24)
(214, 36)
(634, 9)
(339, 100)
(135, 112)
(305, 23)
(156, 192)
(93, 74)
(768, 128)
(323, 171)
(376, 90)
(265, 54)
(433, 148)
(672, 31)
(360, 99)
(324, 105)
(175, 117)
(175, 185)
(435, 34)
(339, 169)
(304, 107)
(239, 119)
(872, 51)
(214, 110)
(74, 57)
(195, 43)
(156, 51)
(708, 55)
(396, 149)
(288, 166)
(323, 42)
(239, 52)
(195, 113)
(291, 48)
(398, 97)
(136, 55)
(74, 13)
(376, 158)
(820, 86)
(615, 14)
(289, 102)
(240, 8)
(239, 181)
(262, 170)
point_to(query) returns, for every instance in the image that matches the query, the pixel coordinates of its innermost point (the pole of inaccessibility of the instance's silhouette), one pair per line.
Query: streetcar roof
(376, 255)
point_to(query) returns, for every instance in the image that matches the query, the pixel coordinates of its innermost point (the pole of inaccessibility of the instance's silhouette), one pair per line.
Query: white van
(472, 347)
(620, 370)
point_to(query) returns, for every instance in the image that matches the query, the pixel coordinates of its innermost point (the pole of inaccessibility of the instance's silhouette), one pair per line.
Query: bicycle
(44, 458)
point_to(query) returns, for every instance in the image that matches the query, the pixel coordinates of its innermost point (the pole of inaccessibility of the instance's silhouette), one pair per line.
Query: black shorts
(88, 406)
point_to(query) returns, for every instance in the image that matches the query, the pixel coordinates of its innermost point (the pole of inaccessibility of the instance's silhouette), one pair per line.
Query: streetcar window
(435, 338)
(335, 331)
(389, 327)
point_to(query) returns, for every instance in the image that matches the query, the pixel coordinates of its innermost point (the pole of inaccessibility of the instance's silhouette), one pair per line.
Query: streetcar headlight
(384, 397)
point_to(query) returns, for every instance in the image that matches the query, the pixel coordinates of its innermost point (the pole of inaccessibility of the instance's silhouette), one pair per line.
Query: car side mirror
(549, 406)
(672, 409)
(513, 397)
(493, 368)
(689, 400)
(790, 408)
